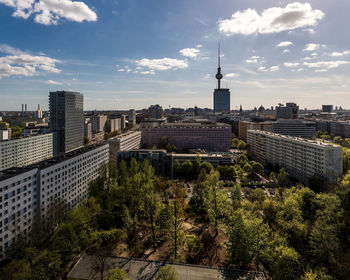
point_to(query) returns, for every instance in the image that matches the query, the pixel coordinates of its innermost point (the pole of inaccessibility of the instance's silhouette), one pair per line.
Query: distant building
(290, 111)
(300, 157)
(4, 134)
(130, 140)
(296, 128)
(244, 126)
(114, 124)
(163, 162)
(340, 128)
(67, 120)
(88, 130)
(99, 123)
(221, 95)
(25, 151)
(39, 113)
(132, 117)
(46, 190)
(187, 136)
(155, 112)
(327, 108)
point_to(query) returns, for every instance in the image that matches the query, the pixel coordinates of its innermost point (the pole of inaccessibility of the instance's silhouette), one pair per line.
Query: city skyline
(290, 52)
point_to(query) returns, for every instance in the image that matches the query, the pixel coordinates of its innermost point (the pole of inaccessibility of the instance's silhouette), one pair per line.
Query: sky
(124, 54)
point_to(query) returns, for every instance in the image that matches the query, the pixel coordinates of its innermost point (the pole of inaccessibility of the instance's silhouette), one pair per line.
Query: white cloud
(309, 30)
(199, 46)
(121, 70)
(51, 82)
(255, 59)
(23, 64)
(321, 70)
(162, 64)
(147, 72)
(314, 54)
(272, 20)
(274, 68)
(311, 47)
(271, 69)
(284, 44)
(291, 64)
(231, 75)
(326, 64)
(340, 53)
(4, 48)
(189, 52)
(286, 51)
(51, 11)
(300, 69)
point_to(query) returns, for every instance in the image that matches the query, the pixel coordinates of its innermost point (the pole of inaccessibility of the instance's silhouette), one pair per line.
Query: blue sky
(130, 54)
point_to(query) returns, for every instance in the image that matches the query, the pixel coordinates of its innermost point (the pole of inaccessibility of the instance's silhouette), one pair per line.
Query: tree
(247, 168)
(236, 196)
(104, 242)
(193, 245)
(257, 195)
(241, 145)
(284, 264)
(234, 143)
(247, 237)
(117, 274)
(16, 131)
(215, 199)
(176, 210)
(187, 168)
(207, 166)
(257, 168)
(167, 273)
(242, 160)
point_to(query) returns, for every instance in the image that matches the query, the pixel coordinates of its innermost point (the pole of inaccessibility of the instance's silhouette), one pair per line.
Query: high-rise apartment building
(221, 96)
(67, 120)
(32, 197)
(25, 151)
(130, 140)
(300, 157)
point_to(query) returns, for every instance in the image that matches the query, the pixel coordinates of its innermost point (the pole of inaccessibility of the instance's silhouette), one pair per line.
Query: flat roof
(294, 138)
(14, 171)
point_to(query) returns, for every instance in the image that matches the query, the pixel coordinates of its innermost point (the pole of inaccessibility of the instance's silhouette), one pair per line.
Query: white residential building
(300, 157)
(130, 140)
(39, 192)
(25, 151)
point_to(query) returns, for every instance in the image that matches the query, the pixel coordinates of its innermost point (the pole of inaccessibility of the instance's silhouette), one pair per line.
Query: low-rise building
(300, 157)
(213, 137)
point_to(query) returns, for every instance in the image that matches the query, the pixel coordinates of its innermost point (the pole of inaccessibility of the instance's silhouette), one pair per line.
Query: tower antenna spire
(219, 56)
(218, 74)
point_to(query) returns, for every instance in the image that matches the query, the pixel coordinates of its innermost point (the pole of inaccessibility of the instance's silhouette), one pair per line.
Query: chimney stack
(25, 108)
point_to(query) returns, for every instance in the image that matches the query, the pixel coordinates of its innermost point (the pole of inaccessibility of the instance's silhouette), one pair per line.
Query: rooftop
(146, 269)
(314, 142)
(14, 171)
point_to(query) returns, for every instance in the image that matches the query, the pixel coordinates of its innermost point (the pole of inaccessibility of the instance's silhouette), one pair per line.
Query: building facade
(300, 157)
(296, 128)
(290, 111)
(187, 136)
(99, 123)
(244, 126)
(130, 140)
(25, 151)
(67, 120)
(31, 198)
(222, 101)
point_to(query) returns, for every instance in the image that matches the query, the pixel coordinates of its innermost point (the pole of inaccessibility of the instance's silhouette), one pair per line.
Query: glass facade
(222, 100)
